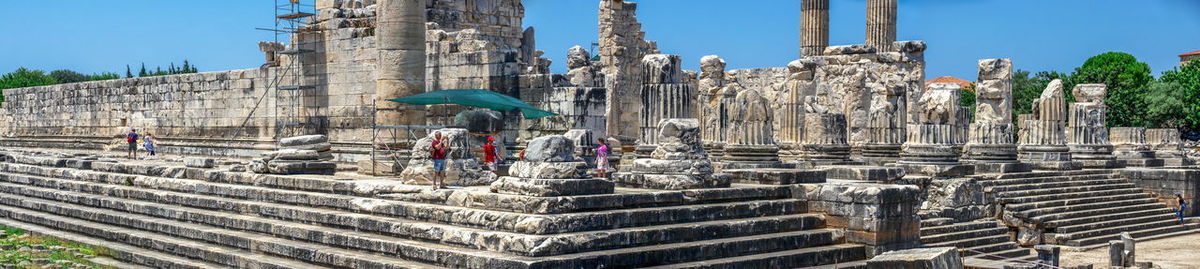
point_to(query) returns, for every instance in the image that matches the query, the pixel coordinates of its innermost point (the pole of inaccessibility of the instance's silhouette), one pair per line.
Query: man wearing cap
(489, 154)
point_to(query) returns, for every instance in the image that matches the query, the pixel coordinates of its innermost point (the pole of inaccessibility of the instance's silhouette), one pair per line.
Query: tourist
(1182, 207)
(601, 158)
(132, 139)
(489, 154)
(149, 143)
(438, 153)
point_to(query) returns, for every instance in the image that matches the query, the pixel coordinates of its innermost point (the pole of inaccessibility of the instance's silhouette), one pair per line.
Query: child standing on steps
(1182, 207)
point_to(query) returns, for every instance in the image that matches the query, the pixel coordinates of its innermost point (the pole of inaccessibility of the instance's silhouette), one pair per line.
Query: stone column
(400, 38)
(795, 89)
(1088, 137)
(1130, 146)
(712, 109)
(881, 24)
(751, 142)
(1043, 139)
(990, 143)
(936, 136)
(814, 27)
(621, 50)
(1168, 146)
(663, 95)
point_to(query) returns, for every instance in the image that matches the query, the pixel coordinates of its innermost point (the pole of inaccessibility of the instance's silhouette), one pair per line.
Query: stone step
(1114, 223)
(1047, 174)
(482, 200)
(1040, 180)
(955, 236)
(1066, 195)
(1095, 216)
(833, 256)
(1047, 185)
(1057, 206)
(226, 256)
(315, 253)
(1060, 190)
(1090, 209)
(973, 241)
(1144, 230)
(431, 253)
(934, 222)
(276, 215)
(120, 251)
(454, 215)
(1005, 249)
(1190, 228)
(959, 227)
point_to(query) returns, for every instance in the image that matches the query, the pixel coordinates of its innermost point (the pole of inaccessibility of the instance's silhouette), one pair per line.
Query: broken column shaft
(881, 24)
(814, 27)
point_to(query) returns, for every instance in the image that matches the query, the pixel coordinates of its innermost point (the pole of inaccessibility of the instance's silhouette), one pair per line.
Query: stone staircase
(164, 215)
(984, 239)
(1083, 208)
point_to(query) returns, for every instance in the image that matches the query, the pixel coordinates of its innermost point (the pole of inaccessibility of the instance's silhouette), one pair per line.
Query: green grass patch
(11, 252)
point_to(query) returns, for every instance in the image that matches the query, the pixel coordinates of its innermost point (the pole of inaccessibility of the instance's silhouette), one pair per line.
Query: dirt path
(1174, 252)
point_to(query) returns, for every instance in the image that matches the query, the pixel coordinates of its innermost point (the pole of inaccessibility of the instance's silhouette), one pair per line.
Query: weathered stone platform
(176, 216)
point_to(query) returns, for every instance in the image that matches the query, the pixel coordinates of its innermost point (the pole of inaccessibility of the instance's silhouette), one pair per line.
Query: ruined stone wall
(471, 44)
(181, 107)
(873, 89)
(622, 46)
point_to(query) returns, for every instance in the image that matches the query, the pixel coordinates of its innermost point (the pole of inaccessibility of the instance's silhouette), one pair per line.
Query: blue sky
(95, 36)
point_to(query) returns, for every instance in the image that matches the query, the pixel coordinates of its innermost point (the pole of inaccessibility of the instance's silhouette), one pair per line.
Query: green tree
(104, 76)
(1126, 78)
(68, 76)
(1027, 87)
(24, 78)
(128, 72)
(968, 101)
(1188, 78)
(1166, 105)
(143, 73)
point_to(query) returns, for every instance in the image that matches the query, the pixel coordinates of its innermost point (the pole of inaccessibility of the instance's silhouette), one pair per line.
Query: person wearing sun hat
(489, 154)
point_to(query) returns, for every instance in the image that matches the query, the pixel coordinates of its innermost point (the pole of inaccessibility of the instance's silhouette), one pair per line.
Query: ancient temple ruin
(842, 158)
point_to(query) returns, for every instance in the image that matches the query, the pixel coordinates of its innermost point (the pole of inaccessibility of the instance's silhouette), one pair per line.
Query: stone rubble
(550, 168)
(678, 162)
(462, 167)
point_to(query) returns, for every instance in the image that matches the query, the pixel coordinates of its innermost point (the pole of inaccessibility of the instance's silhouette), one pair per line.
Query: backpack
(130, 138)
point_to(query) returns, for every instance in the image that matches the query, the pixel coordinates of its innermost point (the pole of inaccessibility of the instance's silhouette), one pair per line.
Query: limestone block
(672, 167)
(1090, 93)
(319, 147)
(962, 199)
(920, 258)
(548, 170)
(551, 187)
(777, 176)
(199, 162)
(460, 172)
(554, 148)
(303, 140)
(672, 182)
(294, 154)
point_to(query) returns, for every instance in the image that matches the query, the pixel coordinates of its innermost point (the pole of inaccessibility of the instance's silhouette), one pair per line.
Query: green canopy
(475, 98)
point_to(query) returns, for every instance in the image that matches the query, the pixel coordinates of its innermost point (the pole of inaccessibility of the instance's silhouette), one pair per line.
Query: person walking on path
(489, 155)
(132, 139)
(149, 143)
(438, 153)
(601, 158)
(1182, 207)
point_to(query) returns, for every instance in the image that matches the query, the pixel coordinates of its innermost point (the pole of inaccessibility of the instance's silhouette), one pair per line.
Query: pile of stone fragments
(309, 154)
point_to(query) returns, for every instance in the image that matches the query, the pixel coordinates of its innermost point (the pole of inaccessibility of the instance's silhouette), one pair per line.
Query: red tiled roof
(948, 79)
(1190, 53)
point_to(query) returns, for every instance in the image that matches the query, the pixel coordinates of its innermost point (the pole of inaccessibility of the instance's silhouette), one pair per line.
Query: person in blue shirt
(132, 139)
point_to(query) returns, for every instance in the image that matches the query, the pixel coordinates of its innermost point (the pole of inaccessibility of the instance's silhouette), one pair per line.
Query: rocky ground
(1173, 252)
(21, 250)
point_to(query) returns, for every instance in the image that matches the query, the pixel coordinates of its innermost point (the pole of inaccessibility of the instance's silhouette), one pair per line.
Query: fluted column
(881, 24)
(814, 27)
(401, 43)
